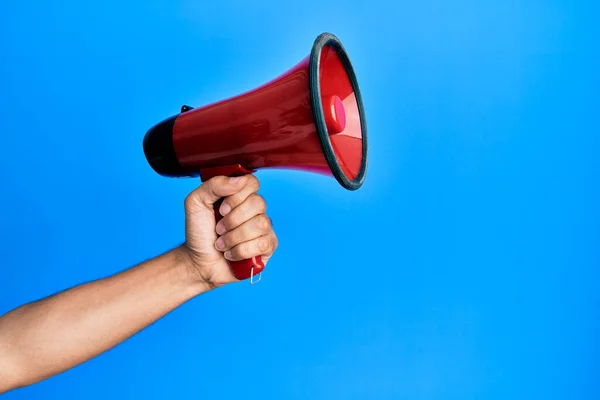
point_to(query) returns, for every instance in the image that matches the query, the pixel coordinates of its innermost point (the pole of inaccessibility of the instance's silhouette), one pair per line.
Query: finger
(262, 246)
(251, 185)
(212, 190)
(251, 207)
(256, 227)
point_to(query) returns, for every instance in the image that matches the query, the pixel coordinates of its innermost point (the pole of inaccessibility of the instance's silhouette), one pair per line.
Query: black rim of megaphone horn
(328, 39)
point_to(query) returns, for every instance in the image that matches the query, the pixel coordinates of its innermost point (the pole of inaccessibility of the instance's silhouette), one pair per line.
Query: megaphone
(311, 118)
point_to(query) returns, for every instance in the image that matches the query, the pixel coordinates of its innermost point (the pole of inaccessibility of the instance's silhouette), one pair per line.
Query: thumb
(203, 197)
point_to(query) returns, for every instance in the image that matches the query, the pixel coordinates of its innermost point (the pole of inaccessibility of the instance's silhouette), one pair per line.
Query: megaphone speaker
(311, 118)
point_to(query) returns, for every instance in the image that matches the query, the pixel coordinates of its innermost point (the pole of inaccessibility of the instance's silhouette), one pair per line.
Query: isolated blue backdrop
(466, 267)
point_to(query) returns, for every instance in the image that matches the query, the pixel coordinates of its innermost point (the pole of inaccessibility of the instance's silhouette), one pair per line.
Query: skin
(49, 336)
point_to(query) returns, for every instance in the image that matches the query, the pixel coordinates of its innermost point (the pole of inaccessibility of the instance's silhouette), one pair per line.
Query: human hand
(245, 231)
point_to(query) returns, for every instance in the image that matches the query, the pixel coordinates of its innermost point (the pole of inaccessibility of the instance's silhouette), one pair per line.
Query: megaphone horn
(310, 118)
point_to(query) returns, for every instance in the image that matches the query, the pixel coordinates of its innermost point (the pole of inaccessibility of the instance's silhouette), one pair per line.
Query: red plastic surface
(241, 269)
(272, 126)
(334, 82)
(335, 115)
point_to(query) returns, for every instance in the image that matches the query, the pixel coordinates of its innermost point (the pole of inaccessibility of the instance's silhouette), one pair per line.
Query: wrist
(188, 272)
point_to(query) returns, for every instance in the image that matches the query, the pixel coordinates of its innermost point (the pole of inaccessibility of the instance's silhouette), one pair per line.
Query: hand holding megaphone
(310, 118)
(251, 267)
(228, 234)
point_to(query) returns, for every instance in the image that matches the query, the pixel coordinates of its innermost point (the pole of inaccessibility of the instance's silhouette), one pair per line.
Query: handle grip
(250, 268)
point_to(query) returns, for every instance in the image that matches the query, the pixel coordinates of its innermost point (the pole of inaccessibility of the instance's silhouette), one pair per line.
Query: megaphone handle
(251, 268)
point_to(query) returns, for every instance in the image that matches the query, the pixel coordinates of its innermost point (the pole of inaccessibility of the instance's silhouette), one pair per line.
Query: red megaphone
(311, 118)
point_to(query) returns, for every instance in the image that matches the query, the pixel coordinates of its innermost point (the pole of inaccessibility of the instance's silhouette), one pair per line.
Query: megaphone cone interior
(310, 118)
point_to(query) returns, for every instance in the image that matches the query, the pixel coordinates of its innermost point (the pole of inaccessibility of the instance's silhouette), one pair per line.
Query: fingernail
(220, 244)
(225, 208)
(228, 255)
(221, 229)
(235, 180)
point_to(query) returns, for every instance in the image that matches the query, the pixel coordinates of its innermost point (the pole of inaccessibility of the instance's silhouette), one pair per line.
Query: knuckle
(258, 202)
(263, 222)
(191, 201)
(253, 182)
(212, 183)
(241, 251)
(236, 236)
(244, 214)
(253, 199)
(263, 245)
(218, 180)
(233, 220)
(272, 244)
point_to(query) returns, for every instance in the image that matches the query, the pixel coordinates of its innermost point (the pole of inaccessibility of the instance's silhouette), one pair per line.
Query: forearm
(49, 336)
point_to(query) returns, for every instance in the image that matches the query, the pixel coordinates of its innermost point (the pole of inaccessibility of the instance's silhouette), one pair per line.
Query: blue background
(466, 267)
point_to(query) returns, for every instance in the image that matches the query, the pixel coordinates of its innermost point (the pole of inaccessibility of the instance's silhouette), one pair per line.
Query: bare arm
(49, 336)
